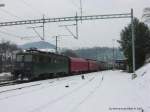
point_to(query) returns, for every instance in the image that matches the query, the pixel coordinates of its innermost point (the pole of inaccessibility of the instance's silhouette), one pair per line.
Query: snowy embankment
(142, 85)
(107, 91)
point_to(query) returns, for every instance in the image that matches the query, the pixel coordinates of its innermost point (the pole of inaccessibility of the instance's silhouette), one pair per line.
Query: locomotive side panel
(33, 65)
(51, 65)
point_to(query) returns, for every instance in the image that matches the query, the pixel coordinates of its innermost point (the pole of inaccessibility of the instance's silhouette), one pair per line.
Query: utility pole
(56, 41)
(77, 33)
(96, 53)
(81, 9)
(133, 42)
(113, 54)
(43, 27)
(113, 58)
(56, 44)
(1, 61)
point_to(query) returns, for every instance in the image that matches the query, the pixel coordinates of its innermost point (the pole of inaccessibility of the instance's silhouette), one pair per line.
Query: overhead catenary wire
(74, 4)
(10, 14)
(14, 35)
(38, 12)
(9, 34)
(71, 32)
(31, 7)
(80, 6)
(67, 19)
(38, 34)
(13, 15)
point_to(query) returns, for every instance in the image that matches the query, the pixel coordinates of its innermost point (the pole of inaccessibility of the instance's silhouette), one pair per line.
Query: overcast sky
(91, 33)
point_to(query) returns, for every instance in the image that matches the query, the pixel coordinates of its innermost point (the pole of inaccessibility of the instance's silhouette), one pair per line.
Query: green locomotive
(37, 64)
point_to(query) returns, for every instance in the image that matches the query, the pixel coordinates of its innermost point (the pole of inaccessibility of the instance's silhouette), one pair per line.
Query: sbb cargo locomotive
(33, 64)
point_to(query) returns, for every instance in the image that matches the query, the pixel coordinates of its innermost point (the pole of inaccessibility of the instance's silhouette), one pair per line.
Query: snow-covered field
(107, 91)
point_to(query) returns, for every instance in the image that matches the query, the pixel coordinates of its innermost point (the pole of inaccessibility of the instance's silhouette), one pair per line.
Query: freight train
(33, 64)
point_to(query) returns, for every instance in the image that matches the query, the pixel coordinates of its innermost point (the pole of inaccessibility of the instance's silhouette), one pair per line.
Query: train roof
(77, 59)
(35, 51)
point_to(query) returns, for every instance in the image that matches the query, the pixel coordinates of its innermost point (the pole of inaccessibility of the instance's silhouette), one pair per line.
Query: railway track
(28, 86)
(7, 83)
(12, 82)
(15, 82)
(19, 88)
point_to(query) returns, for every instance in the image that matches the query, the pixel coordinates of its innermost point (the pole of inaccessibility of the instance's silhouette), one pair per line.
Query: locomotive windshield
(20, 58)
(28, 58)
(24, 58)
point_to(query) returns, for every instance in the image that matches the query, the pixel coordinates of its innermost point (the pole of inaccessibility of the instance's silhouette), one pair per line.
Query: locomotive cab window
(28, 58)
(41, 59)
(35, 58)
(20, 58)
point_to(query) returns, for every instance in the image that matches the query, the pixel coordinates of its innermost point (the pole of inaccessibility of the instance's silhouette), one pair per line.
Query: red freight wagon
(93, 65)
(78, 65)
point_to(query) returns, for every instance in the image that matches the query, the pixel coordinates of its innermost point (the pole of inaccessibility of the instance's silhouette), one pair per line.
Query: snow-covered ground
(107, 91)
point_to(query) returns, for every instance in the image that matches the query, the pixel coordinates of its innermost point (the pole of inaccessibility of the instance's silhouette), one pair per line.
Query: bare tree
(6, 55)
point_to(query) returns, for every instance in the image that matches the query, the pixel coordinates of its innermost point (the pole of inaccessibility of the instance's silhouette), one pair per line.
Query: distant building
(121, 64)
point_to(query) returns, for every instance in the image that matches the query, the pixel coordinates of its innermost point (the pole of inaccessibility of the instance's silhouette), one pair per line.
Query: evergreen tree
(70, 53)
(142, 43)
